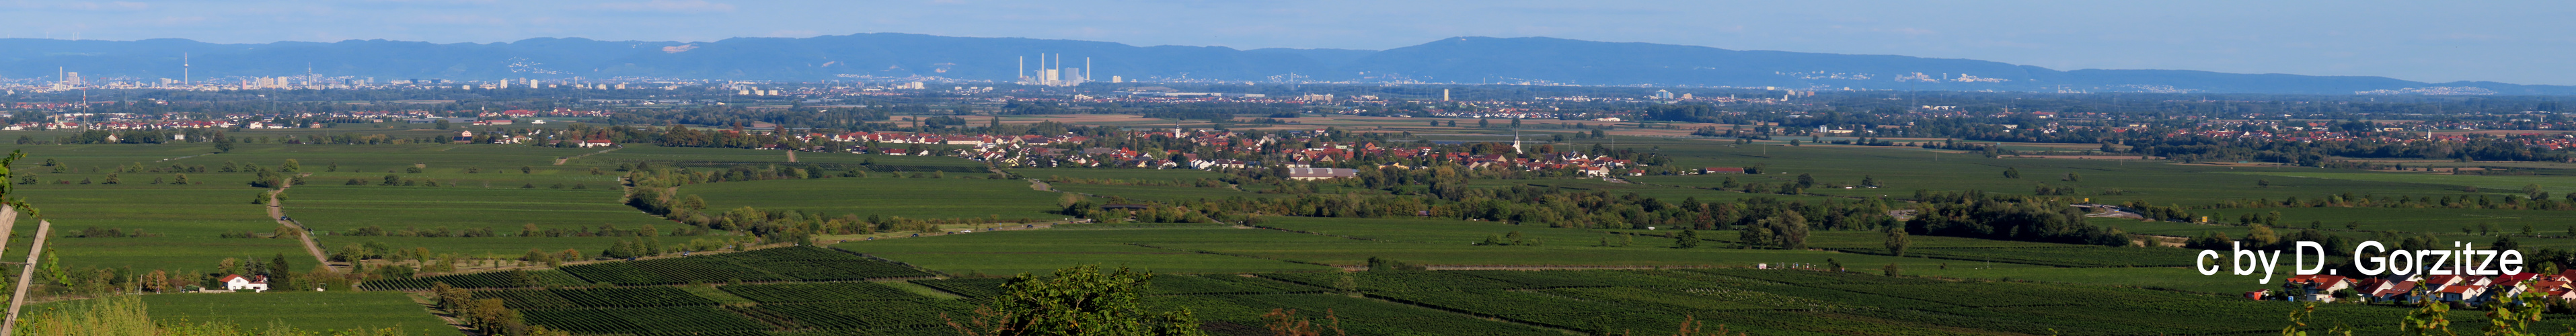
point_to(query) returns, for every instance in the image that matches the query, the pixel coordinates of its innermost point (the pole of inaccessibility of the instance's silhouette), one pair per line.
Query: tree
(527, 170)
(224, 146)
(1284, 322)
(1384, 264)
(1792, 229)
(1686, 239)
(1897, 241)
(442, 123)
(2012, 173)
(277, 266)
(290, 166)
(1758, 236)
(1079, 300)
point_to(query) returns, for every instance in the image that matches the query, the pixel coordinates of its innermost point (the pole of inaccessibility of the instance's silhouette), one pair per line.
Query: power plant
(1053, 73)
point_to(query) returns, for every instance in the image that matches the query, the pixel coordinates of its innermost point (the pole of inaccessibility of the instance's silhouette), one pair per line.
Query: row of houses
(953, 139)
(2472, 289)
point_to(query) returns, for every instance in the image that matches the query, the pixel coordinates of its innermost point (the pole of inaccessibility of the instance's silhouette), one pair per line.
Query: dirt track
(277, 212)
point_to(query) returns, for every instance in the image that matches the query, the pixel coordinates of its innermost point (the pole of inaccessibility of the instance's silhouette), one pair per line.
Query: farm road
(277, 212)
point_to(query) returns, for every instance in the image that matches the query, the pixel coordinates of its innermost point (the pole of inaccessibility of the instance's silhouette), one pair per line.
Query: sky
(2523, 42)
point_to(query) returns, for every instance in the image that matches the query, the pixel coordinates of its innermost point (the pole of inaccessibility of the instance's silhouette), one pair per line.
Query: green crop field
(183, 224)
(638, 153)
(1158, 193)
(302, 310)
(1904, 169)
(2499, 183)
(885, 196)
(1012, 252)
(1650, 189)
(335, 210)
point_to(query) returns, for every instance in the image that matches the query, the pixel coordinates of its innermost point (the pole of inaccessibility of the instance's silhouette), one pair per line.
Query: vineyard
(807, 291)
(967, 287)
(1177, 284)
(1359, 316)
(1493, 302)
(642, 320)
(820, 292)
(508, 279)
(2081, 256)
(802, 263)
(865, 315)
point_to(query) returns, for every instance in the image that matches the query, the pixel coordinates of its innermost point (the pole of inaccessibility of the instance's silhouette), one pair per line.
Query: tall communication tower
(183, 69)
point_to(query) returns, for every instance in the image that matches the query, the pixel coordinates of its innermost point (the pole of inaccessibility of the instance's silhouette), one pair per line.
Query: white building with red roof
(236, 282)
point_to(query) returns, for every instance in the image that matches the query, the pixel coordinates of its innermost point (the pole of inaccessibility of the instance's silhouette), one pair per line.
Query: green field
(1012, 252)
(1905, 169)
(1158, 193)
(2496, 183)
(309, 311)
(920, 198)
(334, 211)
(186, 223)
(639, 153)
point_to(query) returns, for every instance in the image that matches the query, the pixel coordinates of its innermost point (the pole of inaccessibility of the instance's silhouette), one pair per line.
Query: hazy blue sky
(2509, 41)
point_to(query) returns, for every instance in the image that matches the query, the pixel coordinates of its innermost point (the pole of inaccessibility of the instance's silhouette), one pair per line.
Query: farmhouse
(237, 282)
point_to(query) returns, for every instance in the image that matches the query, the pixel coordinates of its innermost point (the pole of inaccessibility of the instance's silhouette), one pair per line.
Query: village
(1216, 149)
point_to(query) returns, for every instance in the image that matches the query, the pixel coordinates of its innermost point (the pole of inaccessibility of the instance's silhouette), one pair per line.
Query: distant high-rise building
(1444, 94)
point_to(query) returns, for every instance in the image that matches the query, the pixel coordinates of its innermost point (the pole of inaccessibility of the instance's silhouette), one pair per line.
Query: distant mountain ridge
(876, 56)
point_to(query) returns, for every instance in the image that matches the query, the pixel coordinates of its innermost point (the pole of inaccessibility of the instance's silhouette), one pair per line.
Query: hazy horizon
(2509, 42)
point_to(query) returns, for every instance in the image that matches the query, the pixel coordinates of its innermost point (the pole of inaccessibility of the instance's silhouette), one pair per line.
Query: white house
(238, 282)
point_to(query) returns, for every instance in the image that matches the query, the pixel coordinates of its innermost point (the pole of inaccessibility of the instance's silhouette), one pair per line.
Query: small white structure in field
(237, 282)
